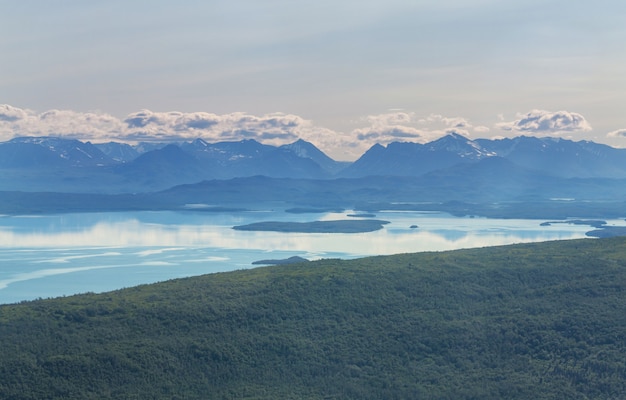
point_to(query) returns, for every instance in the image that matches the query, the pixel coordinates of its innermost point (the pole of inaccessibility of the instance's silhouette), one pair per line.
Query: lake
(64, 254)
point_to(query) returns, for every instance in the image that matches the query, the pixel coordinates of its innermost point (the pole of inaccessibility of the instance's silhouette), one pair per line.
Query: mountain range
(51, 163)
(448, 173)
(39, 164)
(551, 156)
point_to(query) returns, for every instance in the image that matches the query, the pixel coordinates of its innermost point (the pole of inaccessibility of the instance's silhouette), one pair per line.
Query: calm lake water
(56, 255)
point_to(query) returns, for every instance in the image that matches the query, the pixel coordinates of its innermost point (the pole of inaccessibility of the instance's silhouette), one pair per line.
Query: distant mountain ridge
(561, 157)
(58, 164)
(550, 156)
(36, 152)
(414, 159)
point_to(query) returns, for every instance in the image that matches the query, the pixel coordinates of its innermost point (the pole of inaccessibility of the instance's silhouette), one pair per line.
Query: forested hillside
(531, 321)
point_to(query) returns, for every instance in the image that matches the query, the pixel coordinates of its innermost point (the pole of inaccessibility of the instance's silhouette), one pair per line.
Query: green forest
(527, 321)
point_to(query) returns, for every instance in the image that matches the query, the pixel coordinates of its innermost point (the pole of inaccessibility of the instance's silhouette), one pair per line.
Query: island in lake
(602, 229)
(336, 226)
(607, 231)
(596, 223)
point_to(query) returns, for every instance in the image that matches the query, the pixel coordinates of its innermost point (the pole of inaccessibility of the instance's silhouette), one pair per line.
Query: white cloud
(620, 133)
(540, 122)
(275, 129)
(403, 126)
(63, 123)
(10, 114)
(149, 125)
(146, 125)
(386, 128)
(393, 118)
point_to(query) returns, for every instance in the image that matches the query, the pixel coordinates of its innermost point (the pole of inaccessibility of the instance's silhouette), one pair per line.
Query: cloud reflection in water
(101, 252)
(161, 238)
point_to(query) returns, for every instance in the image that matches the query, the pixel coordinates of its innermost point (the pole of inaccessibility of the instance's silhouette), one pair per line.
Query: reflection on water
(71, 253)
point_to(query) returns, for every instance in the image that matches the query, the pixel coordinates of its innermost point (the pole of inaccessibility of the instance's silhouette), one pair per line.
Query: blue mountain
(42, 152)
(304, 149)
(249, 157)
(561, 157)
(50, 163)
(414, 159)
(548, 156)
(120, 152)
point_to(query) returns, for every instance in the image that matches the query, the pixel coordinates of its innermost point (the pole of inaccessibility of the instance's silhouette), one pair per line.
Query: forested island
(335, 226)
(528, 321)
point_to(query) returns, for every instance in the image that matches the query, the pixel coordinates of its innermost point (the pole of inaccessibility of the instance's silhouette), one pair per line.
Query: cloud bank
(274, 129)
(277, 128)
(146, 125)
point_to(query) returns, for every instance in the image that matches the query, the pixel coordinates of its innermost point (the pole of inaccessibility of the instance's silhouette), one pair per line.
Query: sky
(342, 74)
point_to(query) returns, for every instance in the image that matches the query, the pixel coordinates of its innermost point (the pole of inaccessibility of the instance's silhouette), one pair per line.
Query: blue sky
(342, 74)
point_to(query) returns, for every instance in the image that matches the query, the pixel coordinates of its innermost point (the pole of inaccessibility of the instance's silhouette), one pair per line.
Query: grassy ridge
(526, 321)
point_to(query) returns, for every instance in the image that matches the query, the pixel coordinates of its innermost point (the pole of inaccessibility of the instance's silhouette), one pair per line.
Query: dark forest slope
(532, 321)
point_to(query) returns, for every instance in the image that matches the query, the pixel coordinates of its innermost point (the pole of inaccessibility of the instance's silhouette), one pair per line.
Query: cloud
(147, 125)
(545, 122)
(278, 127)
(403, 126)
(388, 134)
(620, 133)
(481, 129)
(394, 118)
(11, 114)
(64, 123)
(386, 128)
(274, 129)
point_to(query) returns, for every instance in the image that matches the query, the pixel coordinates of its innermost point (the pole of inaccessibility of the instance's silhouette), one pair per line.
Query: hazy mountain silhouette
(120, 152)
(42, 152)
(561, 157)
(550, 156)
(414, 159)
(522, 166)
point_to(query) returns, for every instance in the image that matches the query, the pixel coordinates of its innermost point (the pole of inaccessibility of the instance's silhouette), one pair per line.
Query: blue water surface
(64, 254)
